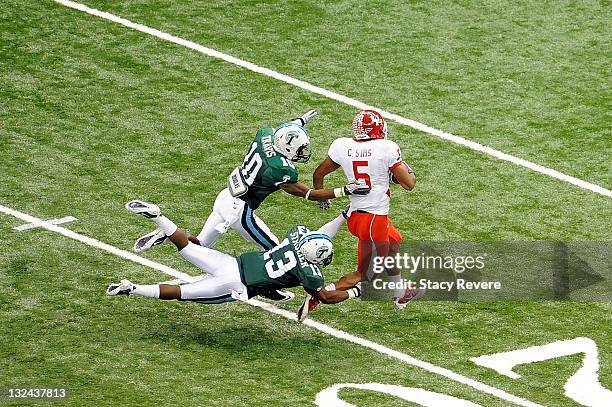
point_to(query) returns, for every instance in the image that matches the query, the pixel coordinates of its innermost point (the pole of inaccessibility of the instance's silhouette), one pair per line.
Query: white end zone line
(338, 97)
(273, 309)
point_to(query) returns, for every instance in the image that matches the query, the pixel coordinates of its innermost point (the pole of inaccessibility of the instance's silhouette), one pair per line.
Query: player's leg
(212, 290)
(332, 227)
(209, 260)
(225, 212)
(401, 298)
(209, 234)
(387, 245)
(255, 230)
(212, 261)
(361, 225)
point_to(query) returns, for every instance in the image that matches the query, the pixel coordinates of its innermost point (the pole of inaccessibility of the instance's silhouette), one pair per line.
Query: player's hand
(358, 187)
(324, 205)
(306, 117)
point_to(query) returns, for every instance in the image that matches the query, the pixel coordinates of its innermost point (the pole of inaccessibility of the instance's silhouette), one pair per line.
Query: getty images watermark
(416, 263)
(490, 271)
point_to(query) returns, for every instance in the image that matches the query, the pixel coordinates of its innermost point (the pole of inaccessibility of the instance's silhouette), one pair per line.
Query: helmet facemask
(303, 154)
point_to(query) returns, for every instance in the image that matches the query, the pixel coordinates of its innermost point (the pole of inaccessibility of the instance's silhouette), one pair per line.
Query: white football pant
(223, 282)
(229, 212)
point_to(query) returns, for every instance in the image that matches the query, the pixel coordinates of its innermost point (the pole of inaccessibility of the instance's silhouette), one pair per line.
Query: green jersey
(283, 266)
(264, 169)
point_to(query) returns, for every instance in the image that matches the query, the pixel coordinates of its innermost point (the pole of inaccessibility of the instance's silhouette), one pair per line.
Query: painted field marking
(59, 221)
(583, 386)
(275, 310)
(338, 97)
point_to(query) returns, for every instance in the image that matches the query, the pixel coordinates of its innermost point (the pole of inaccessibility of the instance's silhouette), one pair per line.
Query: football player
(267, 167)
(370, 157)
(294, 261)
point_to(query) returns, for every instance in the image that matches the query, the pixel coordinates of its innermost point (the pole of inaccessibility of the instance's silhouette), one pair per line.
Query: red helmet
(369, 124)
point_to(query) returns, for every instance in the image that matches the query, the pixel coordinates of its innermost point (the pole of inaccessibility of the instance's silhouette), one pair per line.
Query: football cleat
(278, 295)
(308, 305)
(125, 287)
(145, 209)
(149, 240)
(409, 295)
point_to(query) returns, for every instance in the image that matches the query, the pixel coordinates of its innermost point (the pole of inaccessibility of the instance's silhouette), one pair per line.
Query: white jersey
(371, 161)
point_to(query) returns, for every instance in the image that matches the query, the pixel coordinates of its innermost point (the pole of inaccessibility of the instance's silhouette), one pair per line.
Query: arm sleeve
(289, 176)
(283, 175)
(312, 282)
(334, 151)
(394, 155)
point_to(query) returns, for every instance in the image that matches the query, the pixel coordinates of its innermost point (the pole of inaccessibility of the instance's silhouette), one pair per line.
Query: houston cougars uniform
(370, 160)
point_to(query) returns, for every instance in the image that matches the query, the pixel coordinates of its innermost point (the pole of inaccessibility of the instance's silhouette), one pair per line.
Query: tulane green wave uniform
(281, 267)
(264, 169)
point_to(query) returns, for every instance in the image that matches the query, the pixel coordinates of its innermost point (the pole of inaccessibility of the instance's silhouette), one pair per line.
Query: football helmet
(368, 125)
(317, 248)
(292, 141)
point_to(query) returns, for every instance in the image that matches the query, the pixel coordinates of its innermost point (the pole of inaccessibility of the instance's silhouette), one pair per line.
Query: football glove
(324, 205)
(358, 187)
(306, 117)
(355, 291)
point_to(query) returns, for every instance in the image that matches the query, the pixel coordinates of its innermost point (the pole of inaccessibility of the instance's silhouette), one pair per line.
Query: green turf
(93, 114)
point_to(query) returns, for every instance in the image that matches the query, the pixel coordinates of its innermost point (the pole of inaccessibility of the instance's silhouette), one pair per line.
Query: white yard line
(275, 310)
(340, 98)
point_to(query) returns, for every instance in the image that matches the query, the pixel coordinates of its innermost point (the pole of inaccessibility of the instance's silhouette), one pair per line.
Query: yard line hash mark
(59, 221)
(337, 333)
(338, 97)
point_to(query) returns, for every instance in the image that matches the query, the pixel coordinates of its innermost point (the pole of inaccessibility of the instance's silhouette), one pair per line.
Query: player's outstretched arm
(327, 166)
(336, 296)
(404, 175)
(301, 190)
(305, 118)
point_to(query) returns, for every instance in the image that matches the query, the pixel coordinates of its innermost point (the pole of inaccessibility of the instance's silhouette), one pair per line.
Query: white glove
(324, 205)
(306, 117)
(358, 187)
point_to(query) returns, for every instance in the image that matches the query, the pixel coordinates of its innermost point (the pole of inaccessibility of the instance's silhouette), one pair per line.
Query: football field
(503, 109)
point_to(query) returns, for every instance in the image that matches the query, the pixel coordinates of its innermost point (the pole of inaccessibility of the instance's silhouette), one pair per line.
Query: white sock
(146, 290)
(330, 287)
(332, 227)
(165, 224)
(397, 292)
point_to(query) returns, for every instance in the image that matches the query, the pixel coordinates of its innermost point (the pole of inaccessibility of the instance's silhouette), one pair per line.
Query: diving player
(294, 261)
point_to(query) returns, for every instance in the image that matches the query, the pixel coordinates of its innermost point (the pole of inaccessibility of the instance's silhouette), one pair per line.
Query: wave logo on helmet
(317, 248)
(368, 125)
(292, 141)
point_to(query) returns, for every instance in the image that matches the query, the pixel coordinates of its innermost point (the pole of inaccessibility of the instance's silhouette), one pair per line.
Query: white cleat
(148, 210)
(149, 240)
(125, 287)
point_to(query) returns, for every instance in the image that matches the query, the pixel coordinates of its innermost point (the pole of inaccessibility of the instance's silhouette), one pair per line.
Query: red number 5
(361, 175)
